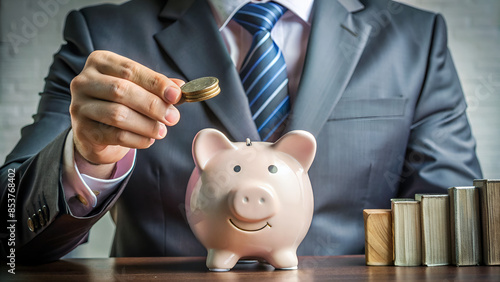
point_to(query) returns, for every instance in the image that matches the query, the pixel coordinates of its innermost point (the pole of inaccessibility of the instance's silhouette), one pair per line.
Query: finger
(115, 65)
(122, 117)
(127, 93)
(105, 135)
(177, 81)
(181, 101)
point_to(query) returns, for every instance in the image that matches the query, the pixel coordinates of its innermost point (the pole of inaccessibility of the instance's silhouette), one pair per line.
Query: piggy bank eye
(272, 169)
(237, 168)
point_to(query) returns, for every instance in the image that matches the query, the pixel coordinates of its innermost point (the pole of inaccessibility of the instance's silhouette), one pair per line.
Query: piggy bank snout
(253, 204)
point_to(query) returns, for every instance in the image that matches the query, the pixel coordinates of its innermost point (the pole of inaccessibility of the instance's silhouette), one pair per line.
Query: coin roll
(200, 89)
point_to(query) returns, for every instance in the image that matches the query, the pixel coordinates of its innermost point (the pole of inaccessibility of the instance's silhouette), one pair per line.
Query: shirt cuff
(83, 192)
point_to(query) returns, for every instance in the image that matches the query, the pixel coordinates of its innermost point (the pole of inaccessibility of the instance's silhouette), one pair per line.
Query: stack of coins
(200, 89)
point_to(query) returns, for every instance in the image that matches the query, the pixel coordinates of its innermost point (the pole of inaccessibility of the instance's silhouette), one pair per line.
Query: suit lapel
(335, 45)
(194, 43)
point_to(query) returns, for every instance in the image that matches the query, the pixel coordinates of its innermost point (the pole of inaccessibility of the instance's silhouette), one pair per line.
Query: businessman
(373, 81)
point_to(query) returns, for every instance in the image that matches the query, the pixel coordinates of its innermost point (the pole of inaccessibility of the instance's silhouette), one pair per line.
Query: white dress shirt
(291, 34)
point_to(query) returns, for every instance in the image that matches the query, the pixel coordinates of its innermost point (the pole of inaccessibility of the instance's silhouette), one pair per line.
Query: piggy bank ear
(299, 144)
(207, 143)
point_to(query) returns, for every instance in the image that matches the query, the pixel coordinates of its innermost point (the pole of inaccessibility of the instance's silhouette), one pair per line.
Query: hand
(118, 104)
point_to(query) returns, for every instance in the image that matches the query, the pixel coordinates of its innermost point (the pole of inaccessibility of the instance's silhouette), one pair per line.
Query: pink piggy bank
(251, 199)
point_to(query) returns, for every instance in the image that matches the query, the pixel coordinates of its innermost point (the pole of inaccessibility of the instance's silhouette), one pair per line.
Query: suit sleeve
(32, 197)
(441, 150)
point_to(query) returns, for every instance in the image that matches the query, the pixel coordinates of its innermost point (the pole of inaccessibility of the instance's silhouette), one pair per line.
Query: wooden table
(336, 268)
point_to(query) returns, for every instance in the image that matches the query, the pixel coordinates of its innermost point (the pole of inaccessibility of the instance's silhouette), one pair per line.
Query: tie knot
(256, 17)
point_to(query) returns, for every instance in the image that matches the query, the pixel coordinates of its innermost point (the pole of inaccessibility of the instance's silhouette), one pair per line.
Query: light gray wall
(30, 32)
(474, 41)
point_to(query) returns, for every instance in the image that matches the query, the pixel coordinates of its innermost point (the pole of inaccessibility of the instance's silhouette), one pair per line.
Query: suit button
(35, 221)
(46, 214)
(96, 193)
(41, 218)
(31, 226)
(82, 199)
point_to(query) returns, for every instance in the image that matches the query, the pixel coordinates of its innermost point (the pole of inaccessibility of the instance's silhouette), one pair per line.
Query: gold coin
(203, 94)
(200, 89)
(190, 100)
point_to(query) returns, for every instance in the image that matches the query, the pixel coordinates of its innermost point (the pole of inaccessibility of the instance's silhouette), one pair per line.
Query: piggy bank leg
(221, 260)
(283, 259)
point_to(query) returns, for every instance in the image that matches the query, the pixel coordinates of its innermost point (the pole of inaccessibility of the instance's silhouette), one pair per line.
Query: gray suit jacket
(379, 92)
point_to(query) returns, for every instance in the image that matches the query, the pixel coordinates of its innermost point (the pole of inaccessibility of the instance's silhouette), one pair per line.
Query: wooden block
(489, 194)
(406, 232)
(378, 236)
(465, 226)
(435, 225)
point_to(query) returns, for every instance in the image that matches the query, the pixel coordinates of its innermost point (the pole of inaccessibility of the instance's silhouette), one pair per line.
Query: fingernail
(162, 131)
(171, 95)
(172, 115)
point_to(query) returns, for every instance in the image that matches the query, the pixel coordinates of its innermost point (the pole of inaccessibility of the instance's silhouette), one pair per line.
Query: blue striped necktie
(263, 72)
